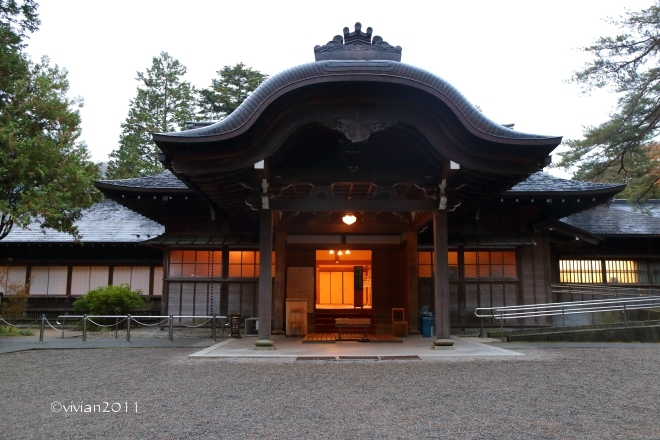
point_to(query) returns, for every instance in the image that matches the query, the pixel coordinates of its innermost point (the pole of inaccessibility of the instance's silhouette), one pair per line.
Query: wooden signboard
(300, 284)
(357, 286)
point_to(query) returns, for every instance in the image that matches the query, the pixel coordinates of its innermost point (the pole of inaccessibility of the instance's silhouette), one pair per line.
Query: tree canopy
(45, 171)
(625, 148)
(163, 102)
(233, 85)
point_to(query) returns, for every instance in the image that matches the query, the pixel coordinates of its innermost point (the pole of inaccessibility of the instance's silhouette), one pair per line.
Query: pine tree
(228, 91)
(45, 171)
(163, 103)
(623, 149)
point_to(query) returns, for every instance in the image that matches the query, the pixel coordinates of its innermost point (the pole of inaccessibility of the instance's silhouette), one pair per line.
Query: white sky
(511, 58)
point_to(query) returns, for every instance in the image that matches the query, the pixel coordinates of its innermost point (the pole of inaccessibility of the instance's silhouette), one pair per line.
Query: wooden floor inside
(331, 338)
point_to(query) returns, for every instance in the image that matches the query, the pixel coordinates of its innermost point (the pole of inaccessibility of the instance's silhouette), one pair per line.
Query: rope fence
(223, 321)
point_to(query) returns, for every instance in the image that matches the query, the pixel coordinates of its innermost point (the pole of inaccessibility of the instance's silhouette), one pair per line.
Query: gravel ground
(550, 393)
(156, 332)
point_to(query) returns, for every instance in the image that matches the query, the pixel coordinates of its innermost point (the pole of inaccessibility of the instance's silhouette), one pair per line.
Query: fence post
(214, 338)
(563, 321)
(171, 328)
(501, 326)
(625, 318)
(128, 328)
(63, 323)
(84, 336)
(116, 327)
(41, 331)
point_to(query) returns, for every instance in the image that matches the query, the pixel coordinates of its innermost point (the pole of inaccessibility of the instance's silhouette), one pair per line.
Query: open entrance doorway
(338, 273)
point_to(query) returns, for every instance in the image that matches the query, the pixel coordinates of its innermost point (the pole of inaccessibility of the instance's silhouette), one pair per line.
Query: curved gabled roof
(359, 70)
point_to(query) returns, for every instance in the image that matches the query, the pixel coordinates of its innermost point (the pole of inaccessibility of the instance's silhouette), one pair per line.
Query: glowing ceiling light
(349, 219)
(340, 253)
(331, 252)
(348, 252)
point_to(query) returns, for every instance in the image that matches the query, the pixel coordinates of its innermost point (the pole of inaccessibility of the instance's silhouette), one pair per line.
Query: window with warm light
(622, 271)
(245, 264)
(195, 264)
(426, 264)
(580, 271)
(491, 264)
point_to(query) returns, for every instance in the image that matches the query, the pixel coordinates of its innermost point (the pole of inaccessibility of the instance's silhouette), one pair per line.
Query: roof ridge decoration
(357, 45)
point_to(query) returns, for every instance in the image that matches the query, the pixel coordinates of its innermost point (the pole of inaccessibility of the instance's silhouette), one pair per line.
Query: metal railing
(567, 308)
(140, 320)
(616, 291)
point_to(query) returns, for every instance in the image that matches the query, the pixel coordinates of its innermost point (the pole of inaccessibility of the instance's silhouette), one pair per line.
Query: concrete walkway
(244, 347)
(294, 348)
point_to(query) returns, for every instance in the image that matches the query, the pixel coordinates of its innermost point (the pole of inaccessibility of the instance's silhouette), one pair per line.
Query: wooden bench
(365, 323)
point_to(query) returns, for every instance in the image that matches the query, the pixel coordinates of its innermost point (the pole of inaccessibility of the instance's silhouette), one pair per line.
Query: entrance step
(324, 320)
(331, 338)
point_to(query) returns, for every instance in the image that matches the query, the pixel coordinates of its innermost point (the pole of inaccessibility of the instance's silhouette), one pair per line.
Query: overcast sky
(511, 58)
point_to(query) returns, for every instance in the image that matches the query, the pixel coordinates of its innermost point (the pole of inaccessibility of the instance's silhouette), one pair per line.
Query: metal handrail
(623, 290)
(567, 308)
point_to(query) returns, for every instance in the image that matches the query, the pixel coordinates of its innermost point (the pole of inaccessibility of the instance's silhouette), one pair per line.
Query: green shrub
(13, 331)
(110, 300)
(15, 300)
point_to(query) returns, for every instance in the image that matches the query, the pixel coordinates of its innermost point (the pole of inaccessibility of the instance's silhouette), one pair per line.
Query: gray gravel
(549, 393)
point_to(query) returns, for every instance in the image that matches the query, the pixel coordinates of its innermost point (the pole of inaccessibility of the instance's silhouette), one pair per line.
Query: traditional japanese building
(357, 182)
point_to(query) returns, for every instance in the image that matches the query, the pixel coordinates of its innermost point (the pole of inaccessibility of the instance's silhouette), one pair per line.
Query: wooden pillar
(441, 275)
(265, 282)
(280, 273)
(412, 282)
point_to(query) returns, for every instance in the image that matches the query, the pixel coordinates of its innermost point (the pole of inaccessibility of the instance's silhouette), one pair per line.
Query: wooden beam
(412, 281)
(280, 273)
(368, 205)
(441, 275)
(421, 220)
(265, 282)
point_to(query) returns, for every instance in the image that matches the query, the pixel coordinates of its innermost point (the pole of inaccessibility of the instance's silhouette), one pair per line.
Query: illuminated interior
(591, 271)
(335, 278)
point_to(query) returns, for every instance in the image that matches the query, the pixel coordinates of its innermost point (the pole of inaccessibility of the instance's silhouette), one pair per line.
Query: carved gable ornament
(357, 45)
(357, 130)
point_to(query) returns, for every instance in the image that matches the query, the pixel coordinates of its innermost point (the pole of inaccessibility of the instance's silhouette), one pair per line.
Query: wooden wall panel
(388, 286)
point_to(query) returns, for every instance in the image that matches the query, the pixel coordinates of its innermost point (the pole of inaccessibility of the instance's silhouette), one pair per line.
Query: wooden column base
(443, 344)
(264, 344)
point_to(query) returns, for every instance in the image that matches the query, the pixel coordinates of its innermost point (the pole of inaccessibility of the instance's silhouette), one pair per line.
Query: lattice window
(135, 276)
(195, 264)
(622, 271)
(49, 280)
(245, 264)
(86, 278)
(491, 264)
(426, 264)
(581, 271)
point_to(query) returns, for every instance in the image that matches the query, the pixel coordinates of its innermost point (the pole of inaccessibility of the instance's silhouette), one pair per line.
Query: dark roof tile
(543, 182)
(388, 68)
(606, 220)
(106, 221)
(163, 180)
(648, 207)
